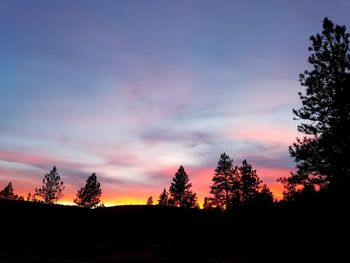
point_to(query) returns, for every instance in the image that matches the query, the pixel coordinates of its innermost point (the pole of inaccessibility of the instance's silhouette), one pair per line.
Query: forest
(240, 220)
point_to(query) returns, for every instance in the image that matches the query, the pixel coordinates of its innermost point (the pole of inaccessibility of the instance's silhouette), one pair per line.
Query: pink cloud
(263, 132)
(22, 157)
(263, 93)
(38, 162)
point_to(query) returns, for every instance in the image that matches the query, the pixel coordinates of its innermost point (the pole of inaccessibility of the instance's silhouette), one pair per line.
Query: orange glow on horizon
(109, 202)
(201, 179)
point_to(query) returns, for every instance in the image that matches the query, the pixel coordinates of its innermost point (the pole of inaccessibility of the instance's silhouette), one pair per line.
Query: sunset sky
(131, 90)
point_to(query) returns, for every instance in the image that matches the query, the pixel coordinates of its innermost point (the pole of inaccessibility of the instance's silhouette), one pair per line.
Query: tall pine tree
(52, 189)
(225, 183)
(250, 184)
(89, 195)
(322, 154)
(181, 193)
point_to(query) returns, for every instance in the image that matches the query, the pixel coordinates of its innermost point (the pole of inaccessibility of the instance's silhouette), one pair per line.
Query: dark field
(33, 232)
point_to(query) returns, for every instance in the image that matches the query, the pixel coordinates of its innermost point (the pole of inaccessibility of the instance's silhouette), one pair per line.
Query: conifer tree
(52, 189)
(164, 198)
(250, 183)
(225, 183)
(8, 194)
(149, 201)
(265, 196)
(181, 193)
(207, 203)
(322, 154)
(89, 195)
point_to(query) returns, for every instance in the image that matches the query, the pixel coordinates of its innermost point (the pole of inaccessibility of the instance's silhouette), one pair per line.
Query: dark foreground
(32, 232)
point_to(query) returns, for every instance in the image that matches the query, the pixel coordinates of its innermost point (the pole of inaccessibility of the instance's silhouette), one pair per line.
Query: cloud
(283, 161)
(135, 124)
(187, 137)
(34, 160)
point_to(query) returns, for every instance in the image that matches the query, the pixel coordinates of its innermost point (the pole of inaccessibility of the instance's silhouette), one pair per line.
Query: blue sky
(131, 90)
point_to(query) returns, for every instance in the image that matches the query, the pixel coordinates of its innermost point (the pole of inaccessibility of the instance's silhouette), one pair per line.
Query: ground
(33, 232)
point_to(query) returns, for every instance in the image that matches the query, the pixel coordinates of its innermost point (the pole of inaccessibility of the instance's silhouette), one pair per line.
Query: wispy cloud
(132, 92)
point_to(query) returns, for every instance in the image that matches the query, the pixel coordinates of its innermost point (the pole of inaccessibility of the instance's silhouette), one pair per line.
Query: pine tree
(322, 155)
(8, 194)
(149, 201)
(52, 188)
(32, 197)
(180, 190)
(89, 195)
(191, 200)
(225, 182)
(264, 197)
(164, 198)
(207, 205)
(250, 183)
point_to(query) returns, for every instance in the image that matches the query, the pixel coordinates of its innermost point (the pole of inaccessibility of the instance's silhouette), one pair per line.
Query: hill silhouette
(35, 232)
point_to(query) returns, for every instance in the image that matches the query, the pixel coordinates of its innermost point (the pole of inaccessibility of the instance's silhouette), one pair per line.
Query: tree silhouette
(8, 194)
(180, 190)
(303, 196)
(225, 182)
(322, 154)
(236, 186)
(89, 195)
(191, 201)
(264, 197)
(251, 190)
(52, 188)
(32, 197)
(207, 204)
(164, 198)
(149, 201)
(250, 183)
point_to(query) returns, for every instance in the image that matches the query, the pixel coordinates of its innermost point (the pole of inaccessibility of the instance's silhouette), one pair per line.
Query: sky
(131, 90)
